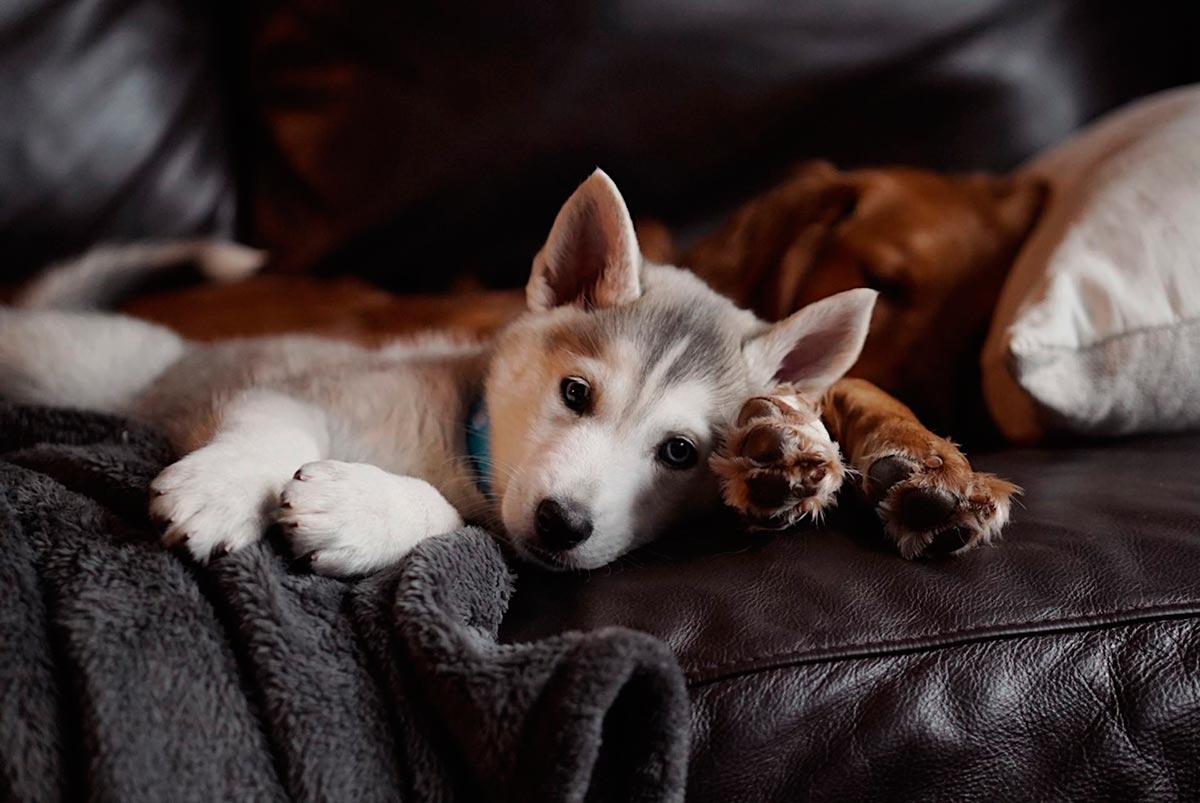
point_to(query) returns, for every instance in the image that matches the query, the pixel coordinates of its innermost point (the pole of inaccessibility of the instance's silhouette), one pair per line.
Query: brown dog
(936, 247)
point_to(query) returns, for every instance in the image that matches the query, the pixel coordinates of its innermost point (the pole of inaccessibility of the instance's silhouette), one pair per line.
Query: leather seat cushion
(1062, 662)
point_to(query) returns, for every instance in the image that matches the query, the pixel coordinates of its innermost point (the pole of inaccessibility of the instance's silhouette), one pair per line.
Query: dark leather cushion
(1062, 664)
(416, 141)
(111, 127)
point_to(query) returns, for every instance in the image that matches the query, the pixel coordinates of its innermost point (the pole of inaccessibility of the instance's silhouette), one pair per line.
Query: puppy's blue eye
(677, 452)
(576, 393)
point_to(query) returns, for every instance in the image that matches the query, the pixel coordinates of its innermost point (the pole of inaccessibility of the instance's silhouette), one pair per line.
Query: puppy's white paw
(216, 500)
(353, 518)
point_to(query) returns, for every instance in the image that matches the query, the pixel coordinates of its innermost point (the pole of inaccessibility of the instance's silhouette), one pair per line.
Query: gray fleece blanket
(127, 673)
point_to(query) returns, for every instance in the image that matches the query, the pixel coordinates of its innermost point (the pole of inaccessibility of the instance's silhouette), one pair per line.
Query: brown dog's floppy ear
(762, 255)
(816, 346)
(813, 169)
(1017, 201)
(591, 257)
(655, 240)
(1021, 198)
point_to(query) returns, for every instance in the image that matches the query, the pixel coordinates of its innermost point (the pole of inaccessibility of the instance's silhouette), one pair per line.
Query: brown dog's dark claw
(948, 542)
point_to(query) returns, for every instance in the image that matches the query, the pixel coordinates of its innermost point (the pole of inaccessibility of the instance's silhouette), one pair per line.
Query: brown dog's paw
(934, 505)
(778, 464)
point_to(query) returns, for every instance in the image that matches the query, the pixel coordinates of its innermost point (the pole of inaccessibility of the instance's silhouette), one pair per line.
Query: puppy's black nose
(562, 524)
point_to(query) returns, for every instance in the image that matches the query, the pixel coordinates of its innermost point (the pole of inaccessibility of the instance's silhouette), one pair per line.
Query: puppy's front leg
(222, 496)
(353, 518)
(930, 500)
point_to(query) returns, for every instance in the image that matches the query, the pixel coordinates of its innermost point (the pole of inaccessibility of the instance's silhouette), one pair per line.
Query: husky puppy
(581, 432)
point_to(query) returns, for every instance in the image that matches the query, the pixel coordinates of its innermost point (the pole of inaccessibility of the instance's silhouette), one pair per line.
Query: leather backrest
(110, 126)
(417, 141)
(414, 143)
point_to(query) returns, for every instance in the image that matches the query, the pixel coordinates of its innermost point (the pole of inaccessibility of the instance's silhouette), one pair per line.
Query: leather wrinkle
(699, 676)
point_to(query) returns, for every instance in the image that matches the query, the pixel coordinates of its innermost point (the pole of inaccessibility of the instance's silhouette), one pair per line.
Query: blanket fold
(127, 673)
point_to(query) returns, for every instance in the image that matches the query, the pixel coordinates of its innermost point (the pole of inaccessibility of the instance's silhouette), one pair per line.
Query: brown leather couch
(416, 145)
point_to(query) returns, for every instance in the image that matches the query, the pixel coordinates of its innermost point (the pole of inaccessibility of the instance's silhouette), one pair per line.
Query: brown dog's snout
(562, 524)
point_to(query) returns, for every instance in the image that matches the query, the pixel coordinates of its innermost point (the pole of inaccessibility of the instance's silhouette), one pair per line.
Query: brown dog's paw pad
(763, 445)
(886, 472)
(926, 508)
(778, 464)
(935, 506)
(769, 491)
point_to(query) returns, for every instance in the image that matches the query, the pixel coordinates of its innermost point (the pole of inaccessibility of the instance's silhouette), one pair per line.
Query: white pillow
(1097, 330)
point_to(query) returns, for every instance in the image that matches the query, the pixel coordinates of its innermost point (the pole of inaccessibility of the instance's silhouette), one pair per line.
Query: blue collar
(479, 452)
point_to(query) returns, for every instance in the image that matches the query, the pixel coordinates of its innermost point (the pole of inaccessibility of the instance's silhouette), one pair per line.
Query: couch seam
(714, 672)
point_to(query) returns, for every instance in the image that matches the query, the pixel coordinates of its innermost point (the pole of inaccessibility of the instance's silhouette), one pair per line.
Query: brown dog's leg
(930, 500)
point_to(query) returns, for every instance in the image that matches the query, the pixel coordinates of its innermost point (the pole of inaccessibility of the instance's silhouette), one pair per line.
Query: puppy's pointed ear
(591, 257)
(814, 347)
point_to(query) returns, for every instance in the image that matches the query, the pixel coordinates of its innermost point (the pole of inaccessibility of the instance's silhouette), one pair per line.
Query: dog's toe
(886, 472)
(926, 509)
(212, 502)
(757, 408)
(763, 445)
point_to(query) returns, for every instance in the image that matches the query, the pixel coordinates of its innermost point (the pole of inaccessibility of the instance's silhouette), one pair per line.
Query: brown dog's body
(936, 247)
